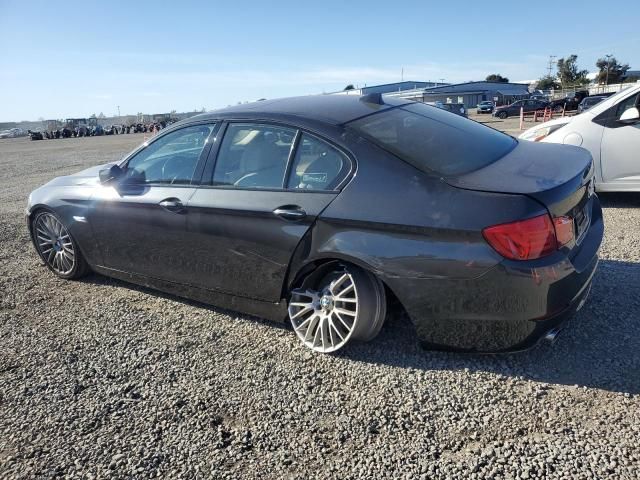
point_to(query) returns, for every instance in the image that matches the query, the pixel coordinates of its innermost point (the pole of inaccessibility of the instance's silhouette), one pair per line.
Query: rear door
(619, 157)
(260, 195)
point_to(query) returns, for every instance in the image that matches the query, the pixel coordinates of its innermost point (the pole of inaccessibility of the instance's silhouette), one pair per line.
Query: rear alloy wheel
(345, 303)
(56, 246)
(503, 115)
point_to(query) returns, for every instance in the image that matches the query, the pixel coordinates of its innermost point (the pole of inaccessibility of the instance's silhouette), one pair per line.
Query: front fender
(73, 205)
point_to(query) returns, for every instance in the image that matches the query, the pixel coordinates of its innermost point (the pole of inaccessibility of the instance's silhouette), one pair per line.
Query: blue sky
(58, 62)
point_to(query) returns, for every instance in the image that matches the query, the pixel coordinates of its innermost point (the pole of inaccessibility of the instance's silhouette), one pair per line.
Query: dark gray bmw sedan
(319, 210)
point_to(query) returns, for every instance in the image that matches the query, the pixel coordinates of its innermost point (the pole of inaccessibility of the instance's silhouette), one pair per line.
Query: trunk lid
(560, 177)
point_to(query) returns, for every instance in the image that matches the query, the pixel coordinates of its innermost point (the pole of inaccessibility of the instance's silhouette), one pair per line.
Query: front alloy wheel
(346, 303)
(56, 246)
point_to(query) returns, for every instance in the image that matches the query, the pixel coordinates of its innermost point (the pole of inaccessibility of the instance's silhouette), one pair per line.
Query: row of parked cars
(96, 130)
(579, 101)
(12, 133)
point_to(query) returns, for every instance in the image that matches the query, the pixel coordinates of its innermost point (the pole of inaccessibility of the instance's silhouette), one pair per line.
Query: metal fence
(593, 89)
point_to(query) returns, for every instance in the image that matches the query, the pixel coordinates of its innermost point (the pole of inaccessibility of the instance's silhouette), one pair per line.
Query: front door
(619, 157)
(268, 186)
(140, 220)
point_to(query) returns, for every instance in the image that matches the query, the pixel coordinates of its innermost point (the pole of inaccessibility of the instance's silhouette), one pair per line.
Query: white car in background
(610, 130)
(12, 133)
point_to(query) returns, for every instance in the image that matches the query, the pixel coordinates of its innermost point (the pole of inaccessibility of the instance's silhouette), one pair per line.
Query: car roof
(329, 109)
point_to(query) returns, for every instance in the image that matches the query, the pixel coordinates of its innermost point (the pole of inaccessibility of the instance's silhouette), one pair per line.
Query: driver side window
(170, 160)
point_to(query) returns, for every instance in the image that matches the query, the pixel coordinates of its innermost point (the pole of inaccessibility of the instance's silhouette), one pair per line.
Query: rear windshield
(434, 140)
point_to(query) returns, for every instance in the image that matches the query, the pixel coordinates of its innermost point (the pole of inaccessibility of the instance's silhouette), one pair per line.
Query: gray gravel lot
(100, 379)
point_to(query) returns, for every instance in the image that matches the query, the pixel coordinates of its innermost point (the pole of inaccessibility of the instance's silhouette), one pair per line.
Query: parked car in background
(485, 107)
(36, 135)
(539, 96)
(589, 102)
(610, 130)
(491, 246)
(514, 109)
(13, 133)
(570, 102)
(457, 108)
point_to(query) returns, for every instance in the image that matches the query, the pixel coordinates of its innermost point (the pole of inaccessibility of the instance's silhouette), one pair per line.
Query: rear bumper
(510, 307)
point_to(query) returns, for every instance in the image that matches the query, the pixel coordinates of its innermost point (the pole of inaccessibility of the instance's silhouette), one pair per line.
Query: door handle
(172, 204)
(290, 212)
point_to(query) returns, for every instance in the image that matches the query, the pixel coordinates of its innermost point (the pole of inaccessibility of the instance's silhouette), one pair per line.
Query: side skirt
(271, 311)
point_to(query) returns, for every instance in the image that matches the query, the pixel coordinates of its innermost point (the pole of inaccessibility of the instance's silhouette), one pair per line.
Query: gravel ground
(99, 378)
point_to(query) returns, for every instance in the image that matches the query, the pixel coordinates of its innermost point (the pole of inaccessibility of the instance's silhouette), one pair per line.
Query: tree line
(570, 75)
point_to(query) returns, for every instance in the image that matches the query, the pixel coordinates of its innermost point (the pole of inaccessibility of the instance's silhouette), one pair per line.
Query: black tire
(374, 307)
(502, 115)
(323, 328)
(558, 108)
(79, 266)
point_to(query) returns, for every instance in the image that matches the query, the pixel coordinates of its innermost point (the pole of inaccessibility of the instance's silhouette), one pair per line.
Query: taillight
(523, 240)
(564, 230)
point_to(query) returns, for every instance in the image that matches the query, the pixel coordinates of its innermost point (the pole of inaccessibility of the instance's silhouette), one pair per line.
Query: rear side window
(253, 156)
(317, 165)
(433, 140)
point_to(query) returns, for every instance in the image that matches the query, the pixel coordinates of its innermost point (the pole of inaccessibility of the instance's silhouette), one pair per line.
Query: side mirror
(630, 115)
(109, 174)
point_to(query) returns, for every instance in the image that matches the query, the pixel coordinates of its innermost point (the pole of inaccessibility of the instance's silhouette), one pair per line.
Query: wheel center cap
(57, 246)
(326, 303)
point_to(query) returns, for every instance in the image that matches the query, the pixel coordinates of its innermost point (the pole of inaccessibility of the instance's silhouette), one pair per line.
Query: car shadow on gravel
(101, 280)
(599, 348)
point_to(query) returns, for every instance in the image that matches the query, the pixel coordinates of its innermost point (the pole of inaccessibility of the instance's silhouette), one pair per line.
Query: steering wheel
(240, 182)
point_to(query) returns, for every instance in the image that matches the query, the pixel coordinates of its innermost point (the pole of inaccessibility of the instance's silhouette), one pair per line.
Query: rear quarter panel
(401, 223)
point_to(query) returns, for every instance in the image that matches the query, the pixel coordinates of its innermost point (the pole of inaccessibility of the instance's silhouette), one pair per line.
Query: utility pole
(402, 75)
(118, 110)
(442, 80)
(552, 60)
(608, 57)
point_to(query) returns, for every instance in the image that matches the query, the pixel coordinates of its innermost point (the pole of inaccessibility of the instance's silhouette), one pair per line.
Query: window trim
(212, 160)
(197, 173)
(291, 159)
